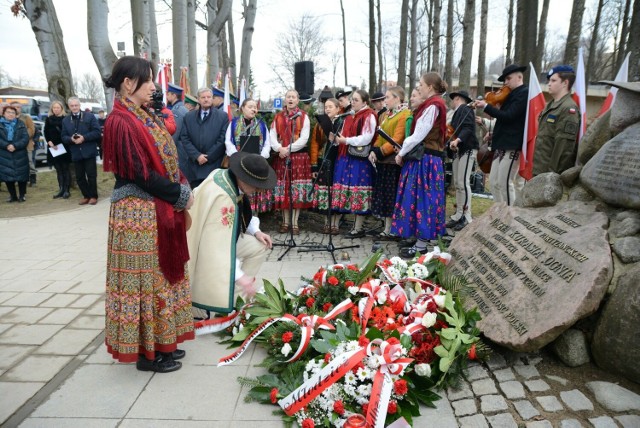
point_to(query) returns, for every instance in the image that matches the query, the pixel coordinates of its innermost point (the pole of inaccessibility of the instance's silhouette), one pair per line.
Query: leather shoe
(406, 243)
(408, 253)
(22, 199)
(178, 354)
(461, 224)
(162, 363)
(59, 194)
(355, 234)
(452, 223)
(83, 201)
(66, 195)
(93, 201)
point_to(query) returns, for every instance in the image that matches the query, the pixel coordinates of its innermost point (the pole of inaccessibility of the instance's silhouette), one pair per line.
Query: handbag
(360, 151)
(415, 154)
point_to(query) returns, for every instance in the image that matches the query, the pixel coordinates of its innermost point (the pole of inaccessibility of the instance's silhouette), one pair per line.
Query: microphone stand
(326, 167)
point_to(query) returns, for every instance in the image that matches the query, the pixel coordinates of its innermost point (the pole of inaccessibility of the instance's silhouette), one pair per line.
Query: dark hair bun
(108, 82)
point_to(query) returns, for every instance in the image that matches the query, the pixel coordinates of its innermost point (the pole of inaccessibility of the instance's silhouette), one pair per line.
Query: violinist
(464, 146)
(508, 135)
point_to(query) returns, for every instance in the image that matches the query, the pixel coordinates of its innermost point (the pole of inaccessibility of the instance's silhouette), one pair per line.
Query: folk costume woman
(296, 177)
(353, 179)
(242, 127)
(148, 302)
(420, 204)
(323, 154)
(385, 187)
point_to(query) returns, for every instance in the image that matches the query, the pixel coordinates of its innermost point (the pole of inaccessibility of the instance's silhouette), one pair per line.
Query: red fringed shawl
(134, 144)
(353, 127)
(442, 115)
(283, 126)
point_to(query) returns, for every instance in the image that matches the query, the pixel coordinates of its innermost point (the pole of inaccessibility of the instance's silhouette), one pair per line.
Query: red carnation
(337, 267)
(333, 280)
(327, 357)
(327, 307)
(286, 337)
(310, 301)
(472, 352)
(353, 268)
(400, 387)
(338, 407)
(274, 395)
(349, 283)
(392, 407)
(308, 423)
(363, 341)
(393, 341)
(365, 408)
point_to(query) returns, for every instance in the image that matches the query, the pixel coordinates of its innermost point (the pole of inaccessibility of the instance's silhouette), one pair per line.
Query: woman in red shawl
(148, 302)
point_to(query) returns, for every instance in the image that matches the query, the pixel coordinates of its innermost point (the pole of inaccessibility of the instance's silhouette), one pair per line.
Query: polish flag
(580, 95)
(163, 79)
(243, 91)
(184, 81)
(534, 108)
(227, 97)
(622, 76)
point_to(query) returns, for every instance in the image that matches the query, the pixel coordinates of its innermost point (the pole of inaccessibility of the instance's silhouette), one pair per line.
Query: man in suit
(202, 138)
(82, 132)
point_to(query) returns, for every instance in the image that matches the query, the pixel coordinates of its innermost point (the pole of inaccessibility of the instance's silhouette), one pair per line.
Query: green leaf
(440, 351)
(322, 346)
(445, 363)
(448, 333)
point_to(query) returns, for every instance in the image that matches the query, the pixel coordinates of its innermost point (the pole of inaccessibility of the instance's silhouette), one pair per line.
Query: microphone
(349, 113)
(298, 114)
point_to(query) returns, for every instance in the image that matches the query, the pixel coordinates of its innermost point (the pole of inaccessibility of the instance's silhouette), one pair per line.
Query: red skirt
(298, 180)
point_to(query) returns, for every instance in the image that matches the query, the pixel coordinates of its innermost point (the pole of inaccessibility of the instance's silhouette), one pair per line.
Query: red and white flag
(534, 108)
(164, 78)
(227, 97)
(580, 95)
(622, 76)
(243, 91)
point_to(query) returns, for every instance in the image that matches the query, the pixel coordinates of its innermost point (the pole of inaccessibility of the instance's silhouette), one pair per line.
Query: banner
(535, 106)
(622, 76)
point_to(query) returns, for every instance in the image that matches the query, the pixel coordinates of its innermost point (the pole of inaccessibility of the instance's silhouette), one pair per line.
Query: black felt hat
(325, 94)
(252, 169)
(512, 68)
(377, 96)
(344, 93)
(306, 98)
(463, 94)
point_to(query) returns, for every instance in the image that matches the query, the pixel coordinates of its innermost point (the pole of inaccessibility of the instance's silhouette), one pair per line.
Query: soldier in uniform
(558, 125)
(177, 107)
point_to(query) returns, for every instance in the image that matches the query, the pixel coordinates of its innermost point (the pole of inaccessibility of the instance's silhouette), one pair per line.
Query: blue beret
(560, 69)
(174, 88)
(217, 92)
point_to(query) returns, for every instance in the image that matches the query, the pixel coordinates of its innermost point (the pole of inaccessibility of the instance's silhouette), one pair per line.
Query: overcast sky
(20, 56)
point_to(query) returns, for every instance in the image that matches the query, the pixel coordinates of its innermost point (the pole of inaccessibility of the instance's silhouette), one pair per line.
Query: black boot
(66, 194)
(33, 178)
(59, 194)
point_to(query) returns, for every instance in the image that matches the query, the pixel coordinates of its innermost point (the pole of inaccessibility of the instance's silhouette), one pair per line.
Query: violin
(450, 132)
(498, 96)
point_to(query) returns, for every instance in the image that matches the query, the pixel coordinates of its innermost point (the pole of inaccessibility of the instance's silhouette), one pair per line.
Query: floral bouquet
(376, 340)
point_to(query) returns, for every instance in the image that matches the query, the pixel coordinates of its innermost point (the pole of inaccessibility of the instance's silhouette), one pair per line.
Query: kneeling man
(226, 245)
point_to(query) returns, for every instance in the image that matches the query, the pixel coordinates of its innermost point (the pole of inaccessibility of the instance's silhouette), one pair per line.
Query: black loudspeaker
(303, 72)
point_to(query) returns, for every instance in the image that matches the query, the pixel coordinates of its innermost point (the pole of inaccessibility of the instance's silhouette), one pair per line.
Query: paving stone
(88, 321)
(629, 421)
(36, 368)
(484, 387)
(527, 372)
(10, 354)
(550, 403)
(537, 385)
(85, 301)
(614, 397)
(603, 422)
(502, 420)
(458, 394)
(576, 400)
(60, 300)
(441, 416)
(539, 424)
(62, 316)
(493, 403)
(570, 423)
(526, 409)
(69, 342)
(475, 421)
(20, 393)
(465, 407)
(512, 389)
(504, 375)
(560, 380)
(476, 372)
(29, 334)
(28, 299)
(496, 361)
(26, 315)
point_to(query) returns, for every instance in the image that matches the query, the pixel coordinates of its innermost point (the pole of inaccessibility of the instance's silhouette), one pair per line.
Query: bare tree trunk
(622, 45)
(380, 58)
(526, 31)
(224, 50)
(414, 43)
(232, 50)
(518, 51)
(542, 33)
(101, 50)
(344, 44)
(591, 60)
(216, 18)
(634, 44)
(192, 63)
(402, 49)
(372, 47)
(435, 35)
(508, 58)
(467, 44)
(247, 36)
(153, 33)
(482, 49)
(141, 28)
(46, 28)
(573, 38)
(180, 42)
(448, 56)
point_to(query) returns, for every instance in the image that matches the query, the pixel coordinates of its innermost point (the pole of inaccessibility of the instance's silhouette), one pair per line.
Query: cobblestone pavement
(55, 371)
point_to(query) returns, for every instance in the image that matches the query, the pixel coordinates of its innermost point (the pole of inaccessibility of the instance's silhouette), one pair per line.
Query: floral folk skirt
(352, 185)
(420, 205)
(298, 179)
(385, 189)
(144, 312)
(261, 202)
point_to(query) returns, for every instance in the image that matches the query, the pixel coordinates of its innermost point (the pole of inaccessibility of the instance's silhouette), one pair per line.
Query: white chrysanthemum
(353, 290)
(418, 271)
(429, 319)
(352, 345)
(363, 374)
(286, 349)
(247, 315)
(350, 390)
(372, 363)
(364, 390)
(398, 262)
(439, 299)
(381, 296)
(350, 378)
(234, 331)
(394, 272)
(423, 370)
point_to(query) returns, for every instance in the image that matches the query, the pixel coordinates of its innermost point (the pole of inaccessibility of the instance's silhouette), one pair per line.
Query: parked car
(40, 149)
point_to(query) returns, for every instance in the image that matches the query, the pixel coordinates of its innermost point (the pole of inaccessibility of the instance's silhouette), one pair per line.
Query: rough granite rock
(571, 348)
(579, 193)
(612, 174)
(627, 214)
(534, 272)
(628, 249)
(614, 397)
(543, 190)
(598, 133)
(570, 176)
(620, 352)
(626, 110)
(627, 227)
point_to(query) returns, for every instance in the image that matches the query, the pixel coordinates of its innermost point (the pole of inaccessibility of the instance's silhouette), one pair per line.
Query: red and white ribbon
(445, 258)
(375, 291)
(214, 325)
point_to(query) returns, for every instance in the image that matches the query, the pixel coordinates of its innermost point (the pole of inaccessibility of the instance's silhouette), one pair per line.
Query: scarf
(283, 125)
(134, 144)
(10, 126)
(353, 127)
(241, 128)
(437, 101)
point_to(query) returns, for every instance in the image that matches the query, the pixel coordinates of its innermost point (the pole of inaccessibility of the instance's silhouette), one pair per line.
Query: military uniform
(558, 128)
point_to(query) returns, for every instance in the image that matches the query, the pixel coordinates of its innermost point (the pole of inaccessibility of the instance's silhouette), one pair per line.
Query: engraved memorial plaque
(534, 272)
